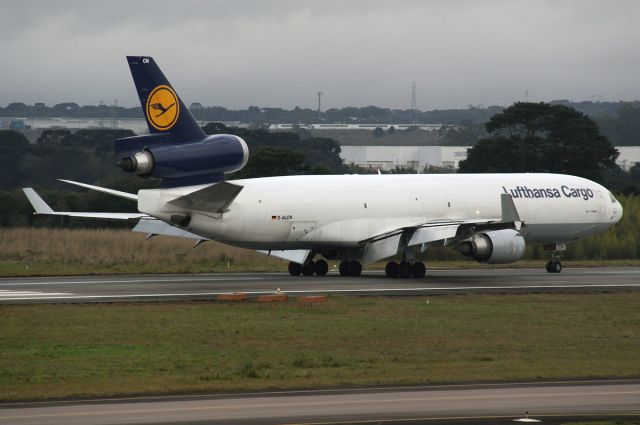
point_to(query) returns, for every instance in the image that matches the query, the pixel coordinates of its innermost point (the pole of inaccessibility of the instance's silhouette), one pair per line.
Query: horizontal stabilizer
(113, 192)
(41, 207)
(214, 198)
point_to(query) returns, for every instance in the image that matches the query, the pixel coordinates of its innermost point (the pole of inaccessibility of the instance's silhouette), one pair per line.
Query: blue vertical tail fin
(164, 111)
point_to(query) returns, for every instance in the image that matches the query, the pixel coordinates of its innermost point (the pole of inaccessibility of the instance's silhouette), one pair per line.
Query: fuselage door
(600, 205)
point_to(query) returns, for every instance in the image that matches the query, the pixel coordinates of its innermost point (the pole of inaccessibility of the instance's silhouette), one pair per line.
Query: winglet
(509, 210)
(37, 202)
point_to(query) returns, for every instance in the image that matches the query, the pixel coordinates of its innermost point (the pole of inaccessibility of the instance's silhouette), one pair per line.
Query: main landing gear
(319, 268)
(554, 266)
(405, 270)
(350, 268)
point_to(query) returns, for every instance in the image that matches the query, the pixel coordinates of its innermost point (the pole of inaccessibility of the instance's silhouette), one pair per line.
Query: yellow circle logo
(163, 108)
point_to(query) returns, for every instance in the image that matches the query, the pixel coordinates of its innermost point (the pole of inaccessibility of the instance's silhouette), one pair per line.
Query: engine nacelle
(494, 247)
(213, 155)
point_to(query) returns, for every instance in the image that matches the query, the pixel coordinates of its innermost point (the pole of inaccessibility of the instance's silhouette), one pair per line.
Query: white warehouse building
(387, 158)
(415, 157)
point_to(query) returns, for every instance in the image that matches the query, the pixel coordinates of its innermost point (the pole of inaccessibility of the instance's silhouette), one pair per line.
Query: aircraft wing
(146, 224)
(387, 244)
(153, 227)
(41, 207)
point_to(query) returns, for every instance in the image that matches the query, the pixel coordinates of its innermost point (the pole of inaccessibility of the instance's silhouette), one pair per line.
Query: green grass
(612, 422)
(49, 351)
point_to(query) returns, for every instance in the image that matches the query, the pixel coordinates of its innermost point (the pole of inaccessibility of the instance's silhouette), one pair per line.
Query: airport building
(387, 158)
(375, 156)
(419, 158)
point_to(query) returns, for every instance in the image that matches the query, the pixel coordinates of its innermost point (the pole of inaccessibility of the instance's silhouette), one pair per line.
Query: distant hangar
(419, 158)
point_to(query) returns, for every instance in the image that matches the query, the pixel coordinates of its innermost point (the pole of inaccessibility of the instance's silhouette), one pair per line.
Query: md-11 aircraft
(357, 219)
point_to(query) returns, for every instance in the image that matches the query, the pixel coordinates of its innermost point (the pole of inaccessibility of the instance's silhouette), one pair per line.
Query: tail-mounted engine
(494, 247)
(176, 149)
(201, 160)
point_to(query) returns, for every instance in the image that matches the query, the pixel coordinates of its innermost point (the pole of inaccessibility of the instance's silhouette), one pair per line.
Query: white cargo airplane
(358, 219)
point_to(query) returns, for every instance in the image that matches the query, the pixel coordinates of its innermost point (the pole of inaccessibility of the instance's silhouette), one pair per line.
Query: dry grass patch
(42, 251)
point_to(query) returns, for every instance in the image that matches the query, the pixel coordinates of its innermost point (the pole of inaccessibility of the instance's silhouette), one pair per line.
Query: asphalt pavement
(207, 286)
(497, 403)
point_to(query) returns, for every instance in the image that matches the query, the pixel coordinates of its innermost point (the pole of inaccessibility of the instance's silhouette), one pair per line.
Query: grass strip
(84, 350)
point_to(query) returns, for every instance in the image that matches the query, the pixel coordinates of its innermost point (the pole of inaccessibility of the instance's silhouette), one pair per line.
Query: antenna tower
(414, 106)
(114, 114)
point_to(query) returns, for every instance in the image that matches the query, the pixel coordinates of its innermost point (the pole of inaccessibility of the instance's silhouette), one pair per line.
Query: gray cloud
(279, 53)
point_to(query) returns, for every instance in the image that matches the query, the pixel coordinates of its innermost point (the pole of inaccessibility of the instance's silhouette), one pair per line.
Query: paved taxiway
(500, 402)
(206, 286)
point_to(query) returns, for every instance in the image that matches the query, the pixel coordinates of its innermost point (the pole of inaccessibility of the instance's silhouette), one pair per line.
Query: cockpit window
(613, 199)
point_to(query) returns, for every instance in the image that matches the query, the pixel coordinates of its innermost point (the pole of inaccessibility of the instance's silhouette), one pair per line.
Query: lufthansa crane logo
(163, 108)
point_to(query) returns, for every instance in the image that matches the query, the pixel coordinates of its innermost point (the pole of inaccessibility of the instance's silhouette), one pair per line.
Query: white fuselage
(316, 212)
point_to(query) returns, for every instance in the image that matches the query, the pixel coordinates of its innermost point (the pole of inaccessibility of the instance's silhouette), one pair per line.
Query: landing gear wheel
(418, 270)
(355, 268)
(344, 268)
(309, 269)
(350, 268)
(554, 266)
(295, 269)
(322, 268)
(405, 270)
(391, 269)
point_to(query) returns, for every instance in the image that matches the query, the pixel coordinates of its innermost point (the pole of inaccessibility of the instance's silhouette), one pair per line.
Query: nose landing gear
(554, 265)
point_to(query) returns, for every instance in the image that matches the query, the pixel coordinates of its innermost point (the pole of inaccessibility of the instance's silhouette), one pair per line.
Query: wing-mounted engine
(494, 247)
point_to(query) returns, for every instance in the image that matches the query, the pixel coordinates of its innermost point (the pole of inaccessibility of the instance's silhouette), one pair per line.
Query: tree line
(618, 120)
(87, 156)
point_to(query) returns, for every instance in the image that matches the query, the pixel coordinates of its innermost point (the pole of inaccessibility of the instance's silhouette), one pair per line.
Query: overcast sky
(280, 53)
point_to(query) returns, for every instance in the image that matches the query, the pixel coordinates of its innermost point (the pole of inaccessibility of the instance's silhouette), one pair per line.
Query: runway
(206, 286)
(499, 403)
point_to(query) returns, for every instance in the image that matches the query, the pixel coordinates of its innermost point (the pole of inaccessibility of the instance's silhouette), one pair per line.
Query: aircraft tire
(294, 269)
(344, 268)
(391, 269)
(554, 266)
(405, 270)
(309, 269)
(322, 268)
(418, 270)
(355, 268)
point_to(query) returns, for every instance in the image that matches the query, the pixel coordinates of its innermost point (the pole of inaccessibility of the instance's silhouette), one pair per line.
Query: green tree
(539, 137)
(268, 161)
(13, 147)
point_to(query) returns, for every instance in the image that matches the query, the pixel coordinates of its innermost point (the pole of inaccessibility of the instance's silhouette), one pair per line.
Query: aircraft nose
(617, 212)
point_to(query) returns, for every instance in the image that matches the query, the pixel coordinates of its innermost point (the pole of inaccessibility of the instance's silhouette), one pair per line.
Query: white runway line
(143, 280)
(63, 296)
(30, 295)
